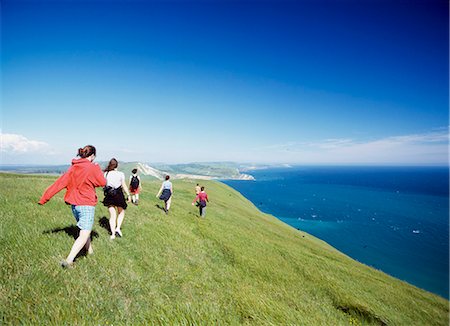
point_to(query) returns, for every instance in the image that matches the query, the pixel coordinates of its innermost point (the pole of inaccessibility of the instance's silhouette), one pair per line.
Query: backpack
(109, 191)
(134, 184)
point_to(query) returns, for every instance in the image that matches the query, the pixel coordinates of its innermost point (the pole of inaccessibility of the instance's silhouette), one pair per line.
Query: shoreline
(356, 235)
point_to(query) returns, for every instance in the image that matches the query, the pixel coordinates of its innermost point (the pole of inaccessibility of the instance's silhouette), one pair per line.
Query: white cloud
(18, 144)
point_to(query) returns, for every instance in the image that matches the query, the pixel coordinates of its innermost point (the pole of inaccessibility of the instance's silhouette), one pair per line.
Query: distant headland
(200, 171)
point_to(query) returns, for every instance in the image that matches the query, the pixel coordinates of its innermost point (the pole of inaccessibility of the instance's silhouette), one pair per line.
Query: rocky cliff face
(146, 169)
(244, 176)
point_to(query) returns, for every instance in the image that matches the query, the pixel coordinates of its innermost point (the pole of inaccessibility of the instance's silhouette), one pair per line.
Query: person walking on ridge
(114, 197)
(166, 192)
(201, 198)
(135, 186)
(80, 180)
(197, 191)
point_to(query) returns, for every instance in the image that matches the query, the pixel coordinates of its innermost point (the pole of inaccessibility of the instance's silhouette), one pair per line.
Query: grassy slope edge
(236, 266)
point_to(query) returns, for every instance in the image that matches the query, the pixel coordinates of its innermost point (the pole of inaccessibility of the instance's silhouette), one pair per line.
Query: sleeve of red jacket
(98, 179)
(56, 187)
(196, 198)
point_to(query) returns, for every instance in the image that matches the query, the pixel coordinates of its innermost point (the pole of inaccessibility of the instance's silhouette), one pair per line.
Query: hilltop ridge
(199, 171)
(236, 266)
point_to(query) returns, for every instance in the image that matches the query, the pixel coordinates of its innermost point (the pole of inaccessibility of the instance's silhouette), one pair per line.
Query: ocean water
(395, 219)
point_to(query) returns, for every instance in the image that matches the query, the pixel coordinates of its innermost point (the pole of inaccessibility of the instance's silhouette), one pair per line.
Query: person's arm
(140, 183)
(207, 198)
(56, 187)
(99, 179)
(124, 187)
(159, 192)
(196, 198)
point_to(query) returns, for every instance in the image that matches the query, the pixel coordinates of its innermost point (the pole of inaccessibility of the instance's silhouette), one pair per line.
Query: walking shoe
(112, 237)
(65, 264)
(119, 233)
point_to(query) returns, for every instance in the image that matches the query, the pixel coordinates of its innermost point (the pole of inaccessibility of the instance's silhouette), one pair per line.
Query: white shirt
(114, 178)
(167, 184)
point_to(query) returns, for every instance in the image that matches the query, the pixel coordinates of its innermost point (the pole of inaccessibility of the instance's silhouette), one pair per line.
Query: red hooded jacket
(80, 181)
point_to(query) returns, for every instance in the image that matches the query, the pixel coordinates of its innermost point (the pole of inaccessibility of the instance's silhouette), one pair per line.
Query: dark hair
(202, 188)
(134, 171)
(112, 165)
(167, 177)
(197, 184)
(86, 151)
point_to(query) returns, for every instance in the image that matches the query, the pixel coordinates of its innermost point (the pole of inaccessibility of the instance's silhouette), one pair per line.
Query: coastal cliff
(198, 171)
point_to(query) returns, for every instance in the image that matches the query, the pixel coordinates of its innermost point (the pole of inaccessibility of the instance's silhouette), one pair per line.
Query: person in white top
(197, 189)
(114, 197)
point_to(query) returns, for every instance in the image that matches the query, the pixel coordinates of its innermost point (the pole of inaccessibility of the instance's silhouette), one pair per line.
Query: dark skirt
(118, 199)
(165, 195)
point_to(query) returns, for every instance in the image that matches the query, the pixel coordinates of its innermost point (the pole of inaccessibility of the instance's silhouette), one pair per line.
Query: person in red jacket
(80, 181)
(201, 200)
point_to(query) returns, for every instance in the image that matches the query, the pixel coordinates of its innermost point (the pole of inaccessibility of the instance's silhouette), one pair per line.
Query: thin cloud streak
(415, 149)
(426, 148)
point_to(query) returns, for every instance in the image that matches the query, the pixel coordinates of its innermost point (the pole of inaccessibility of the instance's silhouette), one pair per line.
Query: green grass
(236, 266)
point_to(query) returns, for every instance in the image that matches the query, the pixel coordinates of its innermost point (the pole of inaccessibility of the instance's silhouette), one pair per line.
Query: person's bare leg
(112, 221)
(80, 242)
(120, 220)
(88, 246)
(169, 201)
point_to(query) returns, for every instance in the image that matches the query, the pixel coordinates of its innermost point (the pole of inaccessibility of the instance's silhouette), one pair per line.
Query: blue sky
(308, 82)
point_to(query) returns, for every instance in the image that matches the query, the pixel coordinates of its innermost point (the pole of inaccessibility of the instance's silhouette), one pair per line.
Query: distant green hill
(210, 170)
(35, 169)
(237, 266)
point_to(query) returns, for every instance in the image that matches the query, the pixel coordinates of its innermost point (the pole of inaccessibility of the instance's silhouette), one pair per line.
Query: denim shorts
(84, 216)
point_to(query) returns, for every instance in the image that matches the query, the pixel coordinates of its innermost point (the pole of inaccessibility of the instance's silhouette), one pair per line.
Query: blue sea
(395, 219)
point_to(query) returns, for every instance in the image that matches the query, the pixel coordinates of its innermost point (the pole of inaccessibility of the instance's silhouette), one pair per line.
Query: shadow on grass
(362, 314)
(194, 214)
(160, 207)
(104, 223)
(74, 232)
(71, 230)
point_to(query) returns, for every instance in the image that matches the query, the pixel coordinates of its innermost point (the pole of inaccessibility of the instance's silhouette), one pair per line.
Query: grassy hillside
(236, 266)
